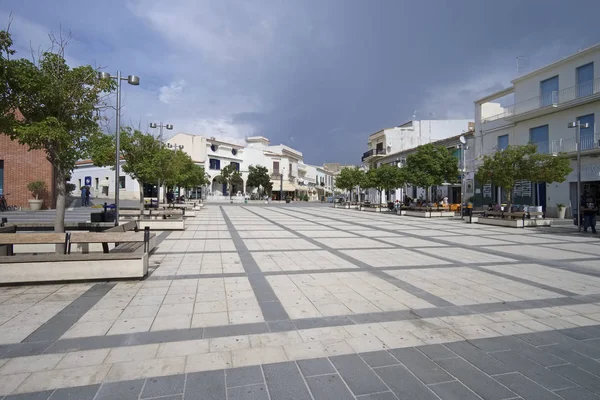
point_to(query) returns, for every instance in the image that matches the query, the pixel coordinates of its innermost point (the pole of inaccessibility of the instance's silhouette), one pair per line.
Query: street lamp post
(462, 146)
(281, 184)
(174, 146)
(169, 127)
(578, 125)
(132, 80)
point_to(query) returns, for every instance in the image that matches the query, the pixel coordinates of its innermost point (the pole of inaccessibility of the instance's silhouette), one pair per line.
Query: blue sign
(88, 181)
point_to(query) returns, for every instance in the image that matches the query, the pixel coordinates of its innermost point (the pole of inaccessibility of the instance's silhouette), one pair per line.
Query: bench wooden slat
(32, 238)
(107, 237)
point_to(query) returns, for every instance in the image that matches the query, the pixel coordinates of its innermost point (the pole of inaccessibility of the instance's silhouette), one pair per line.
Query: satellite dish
(462, 139)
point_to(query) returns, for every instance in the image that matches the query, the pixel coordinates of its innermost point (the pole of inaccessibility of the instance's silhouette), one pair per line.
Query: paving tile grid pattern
(262, 296)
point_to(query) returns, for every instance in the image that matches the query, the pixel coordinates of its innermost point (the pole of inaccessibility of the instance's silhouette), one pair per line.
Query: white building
(537, 108)
(289, 175)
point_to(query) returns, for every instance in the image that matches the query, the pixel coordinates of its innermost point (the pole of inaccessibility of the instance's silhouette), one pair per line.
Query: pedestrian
(87, 196)
(82, 196)
(588, 206)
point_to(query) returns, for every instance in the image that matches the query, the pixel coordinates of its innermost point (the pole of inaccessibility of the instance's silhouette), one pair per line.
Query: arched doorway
(217, 188)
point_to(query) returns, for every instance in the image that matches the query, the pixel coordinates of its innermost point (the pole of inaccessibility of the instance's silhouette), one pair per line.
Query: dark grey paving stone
(315, 366)
(281, 326)
(273, 311)
(425, 369)
(379, 359)
(541, 357)
(253, 392)
(30, 396)
(574, 358)
(577, 394)
(378, 396)
(404, 384)
(327, 387)
(582, 333)
(208, 385)
(308, 323)
(542, 338)
(453, 391)
(359, 377)
(26, 349)
(434, 312)
(120, 390)
(579, 376)
(531, 370)
(436, 352)
(75, 393)
(235, 330)
(88, 343)
(474, 379)
(243, 376)
(174, 335)
(524, 387)
(284, 381)
(163, 386)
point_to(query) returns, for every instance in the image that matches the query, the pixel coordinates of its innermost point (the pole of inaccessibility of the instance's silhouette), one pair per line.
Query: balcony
(372, 153)
(540, 105)
(588, 143)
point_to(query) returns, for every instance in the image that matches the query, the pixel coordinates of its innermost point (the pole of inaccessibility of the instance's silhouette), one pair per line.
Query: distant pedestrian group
(85, 196)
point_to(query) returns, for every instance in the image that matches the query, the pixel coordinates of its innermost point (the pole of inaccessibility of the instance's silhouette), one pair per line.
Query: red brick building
(18, 167)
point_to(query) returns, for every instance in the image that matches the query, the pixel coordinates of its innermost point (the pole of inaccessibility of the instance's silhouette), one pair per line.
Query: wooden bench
(124, 241)
(11, 239)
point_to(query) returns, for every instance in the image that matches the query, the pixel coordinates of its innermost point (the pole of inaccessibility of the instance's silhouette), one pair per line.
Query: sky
(316, 75)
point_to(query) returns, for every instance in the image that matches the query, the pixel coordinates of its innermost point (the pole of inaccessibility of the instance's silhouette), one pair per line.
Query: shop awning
(287, 186)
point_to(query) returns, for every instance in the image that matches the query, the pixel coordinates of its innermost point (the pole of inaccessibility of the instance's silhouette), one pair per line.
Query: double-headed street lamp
(578, 125)
(132, 80)
(169, 127)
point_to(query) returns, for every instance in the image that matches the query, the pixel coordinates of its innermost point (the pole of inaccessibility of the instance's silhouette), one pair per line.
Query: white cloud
(170, 94)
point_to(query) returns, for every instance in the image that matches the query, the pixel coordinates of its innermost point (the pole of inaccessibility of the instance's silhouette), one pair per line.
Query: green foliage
(37, 188)
(516, 163)
(56, 106)
(349, 178)
(258, 177)
(229, 176)
(71, 188)
(431, 165)
(305, 197)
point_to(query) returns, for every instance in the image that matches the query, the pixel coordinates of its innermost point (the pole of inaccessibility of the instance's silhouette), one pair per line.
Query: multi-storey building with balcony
(537, 108)
(410, 135)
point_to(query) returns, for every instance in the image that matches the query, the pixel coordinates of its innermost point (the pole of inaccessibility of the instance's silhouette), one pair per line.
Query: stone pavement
(284, 302)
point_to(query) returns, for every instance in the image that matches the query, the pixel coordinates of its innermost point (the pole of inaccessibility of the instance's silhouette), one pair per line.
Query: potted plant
(562, 209)
(288, 199)
(37, 188)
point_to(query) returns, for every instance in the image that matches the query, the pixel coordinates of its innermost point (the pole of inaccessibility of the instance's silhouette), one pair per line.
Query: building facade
(18, 167)
(537, 108)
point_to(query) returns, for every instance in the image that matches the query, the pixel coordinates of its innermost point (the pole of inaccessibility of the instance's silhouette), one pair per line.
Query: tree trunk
(141, 185)
(61, 202)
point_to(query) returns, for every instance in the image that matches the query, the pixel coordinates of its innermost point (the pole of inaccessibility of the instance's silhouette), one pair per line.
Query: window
(276, 167)
(290, 170)
(585, 80)
(587, 134)
(539, 136)
(121, 182)
(97, 183)
(237, 165)
(234, 151)
(502, 142)
(79, 187)
(549, 91)
(214, 163)
(1, 177)
(214, 147)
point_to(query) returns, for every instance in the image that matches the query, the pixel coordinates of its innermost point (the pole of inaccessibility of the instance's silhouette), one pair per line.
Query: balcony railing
(553, 99)
(373, 152)
(588, 142)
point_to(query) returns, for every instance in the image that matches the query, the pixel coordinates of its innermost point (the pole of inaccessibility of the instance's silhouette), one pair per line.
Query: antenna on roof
(523, 64)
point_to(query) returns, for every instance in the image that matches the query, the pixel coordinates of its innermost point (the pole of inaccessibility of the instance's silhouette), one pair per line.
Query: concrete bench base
(371, 209)
(401, 212)
(162, 224)
(514, 223)
(428, 214)
(17, 269)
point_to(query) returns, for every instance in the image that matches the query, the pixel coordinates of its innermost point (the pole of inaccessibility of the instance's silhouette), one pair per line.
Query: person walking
(588, 206)
(87, 196)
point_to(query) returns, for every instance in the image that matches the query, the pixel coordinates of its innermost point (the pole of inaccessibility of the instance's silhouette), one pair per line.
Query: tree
(229, 176)
(522, 163)
(431, 165)
(389, 177)
(57, 104)
(350, 178)
(258, 177)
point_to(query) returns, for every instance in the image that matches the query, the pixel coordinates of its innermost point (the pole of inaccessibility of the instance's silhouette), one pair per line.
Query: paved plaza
(286, 302)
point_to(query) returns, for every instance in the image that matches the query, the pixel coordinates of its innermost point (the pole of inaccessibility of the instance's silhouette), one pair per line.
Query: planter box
(401, 212)
(509, 223)
(162, 224)
(429, 214)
